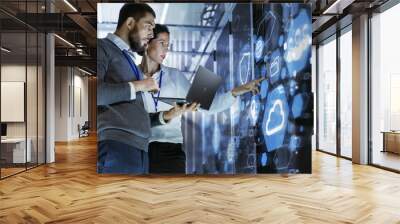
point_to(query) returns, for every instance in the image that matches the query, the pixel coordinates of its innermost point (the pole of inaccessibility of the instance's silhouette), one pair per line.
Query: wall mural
(267, 132)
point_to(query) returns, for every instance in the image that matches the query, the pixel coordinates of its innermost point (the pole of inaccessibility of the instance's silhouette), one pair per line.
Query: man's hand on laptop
(252, 86)
(146, 85)
(178, 110)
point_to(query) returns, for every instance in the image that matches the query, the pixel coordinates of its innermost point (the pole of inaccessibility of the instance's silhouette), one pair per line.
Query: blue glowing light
(264, 159)
(297, 106)
(275, 66)
(275, 118)
(295, 143)
(259, 49)
(298, 45)
(254, 109)
(264, 89)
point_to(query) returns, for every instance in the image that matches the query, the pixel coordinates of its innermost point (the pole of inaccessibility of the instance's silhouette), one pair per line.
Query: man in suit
(123, 123)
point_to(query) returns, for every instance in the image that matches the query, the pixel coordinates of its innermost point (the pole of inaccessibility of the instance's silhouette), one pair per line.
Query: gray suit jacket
(119, 118)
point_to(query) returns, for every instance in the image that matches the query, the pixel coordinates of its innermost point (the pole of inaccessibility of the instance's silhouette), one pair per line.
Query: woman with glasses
(166, 154)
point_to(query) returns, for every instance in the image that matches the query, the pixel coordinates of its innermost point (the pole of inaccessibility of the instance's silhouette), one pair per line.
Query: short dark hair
(135, 10)
(159, 29)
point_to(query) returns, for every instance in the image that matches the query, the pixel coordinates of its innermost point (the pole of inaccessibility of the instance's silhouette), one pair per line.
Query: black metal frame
(0, 91)
(338, 98)
(338, 153)
(44, 77)
(317, 97)
(369, 104)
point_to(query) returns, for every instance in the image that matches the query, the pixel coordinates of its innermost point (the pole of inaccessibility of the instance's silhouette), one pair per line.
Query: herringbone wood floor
(70, 191)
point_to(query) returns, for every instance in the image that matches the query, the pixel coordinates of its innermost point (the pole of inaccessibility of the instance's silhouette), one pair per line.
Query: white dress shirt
(175, 84)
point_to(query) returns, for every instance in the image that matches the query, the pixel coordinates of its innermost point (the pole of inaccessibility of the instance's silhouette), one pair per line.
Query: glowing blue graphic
(280, 41)
(245, 68)
(275, 118)
(293, 86)
(275, 66)
(287, 53)
(284, 74)
(254, 109)
(264, 89)
(274, 126)
(270, 19)
(259, 49)
(264, 159)
(298, 43)
(264, 70)
(295, 143)
(290, 10)
(291, 128)
(266, 58)
(261, 133)
(297, 106)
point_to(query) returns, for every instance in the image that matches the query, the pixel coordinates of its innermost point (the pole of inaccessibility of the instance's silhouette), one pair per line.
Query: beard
(134, 40)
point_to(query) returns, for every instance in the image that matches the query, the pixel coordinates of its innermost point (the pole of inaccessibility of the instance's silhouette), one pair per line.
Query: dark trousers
(119, 158)
(166, 158)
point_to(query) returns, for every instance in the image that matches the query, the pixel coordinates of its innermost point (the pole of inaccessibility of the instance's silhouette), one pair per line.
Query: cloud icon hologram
(298, 43)
(275, 119)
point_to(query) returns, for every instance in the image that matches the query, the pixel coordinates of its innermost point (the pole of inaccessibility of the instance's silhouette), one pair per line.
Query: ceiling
(76, 22)
(331, 15)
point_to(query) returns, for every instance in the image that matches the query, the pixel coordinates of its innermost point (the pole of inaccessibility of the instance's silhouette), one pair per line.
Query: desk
(13, 150)
(391, 141)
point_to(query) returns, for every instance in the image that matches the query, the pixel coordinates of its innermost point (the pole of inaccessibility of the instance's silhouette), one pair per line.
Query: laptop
(203, 89)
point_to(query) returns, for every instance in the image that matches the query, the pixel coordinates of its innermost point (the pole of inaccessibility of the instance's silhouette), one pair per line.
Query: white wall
(16, 73)
(33, 127)
(12, 73)
(80, 100)
(70, 84)
(61, 103)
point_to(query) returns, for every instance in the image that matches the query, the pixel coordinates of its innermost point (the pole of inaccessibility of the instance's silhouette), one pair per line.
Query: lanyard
(158, 95)
(133, 66)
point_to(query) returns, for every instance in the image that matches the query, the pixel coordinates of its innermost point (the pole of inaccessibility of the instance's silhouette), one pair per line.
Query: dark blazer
(119, 118)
